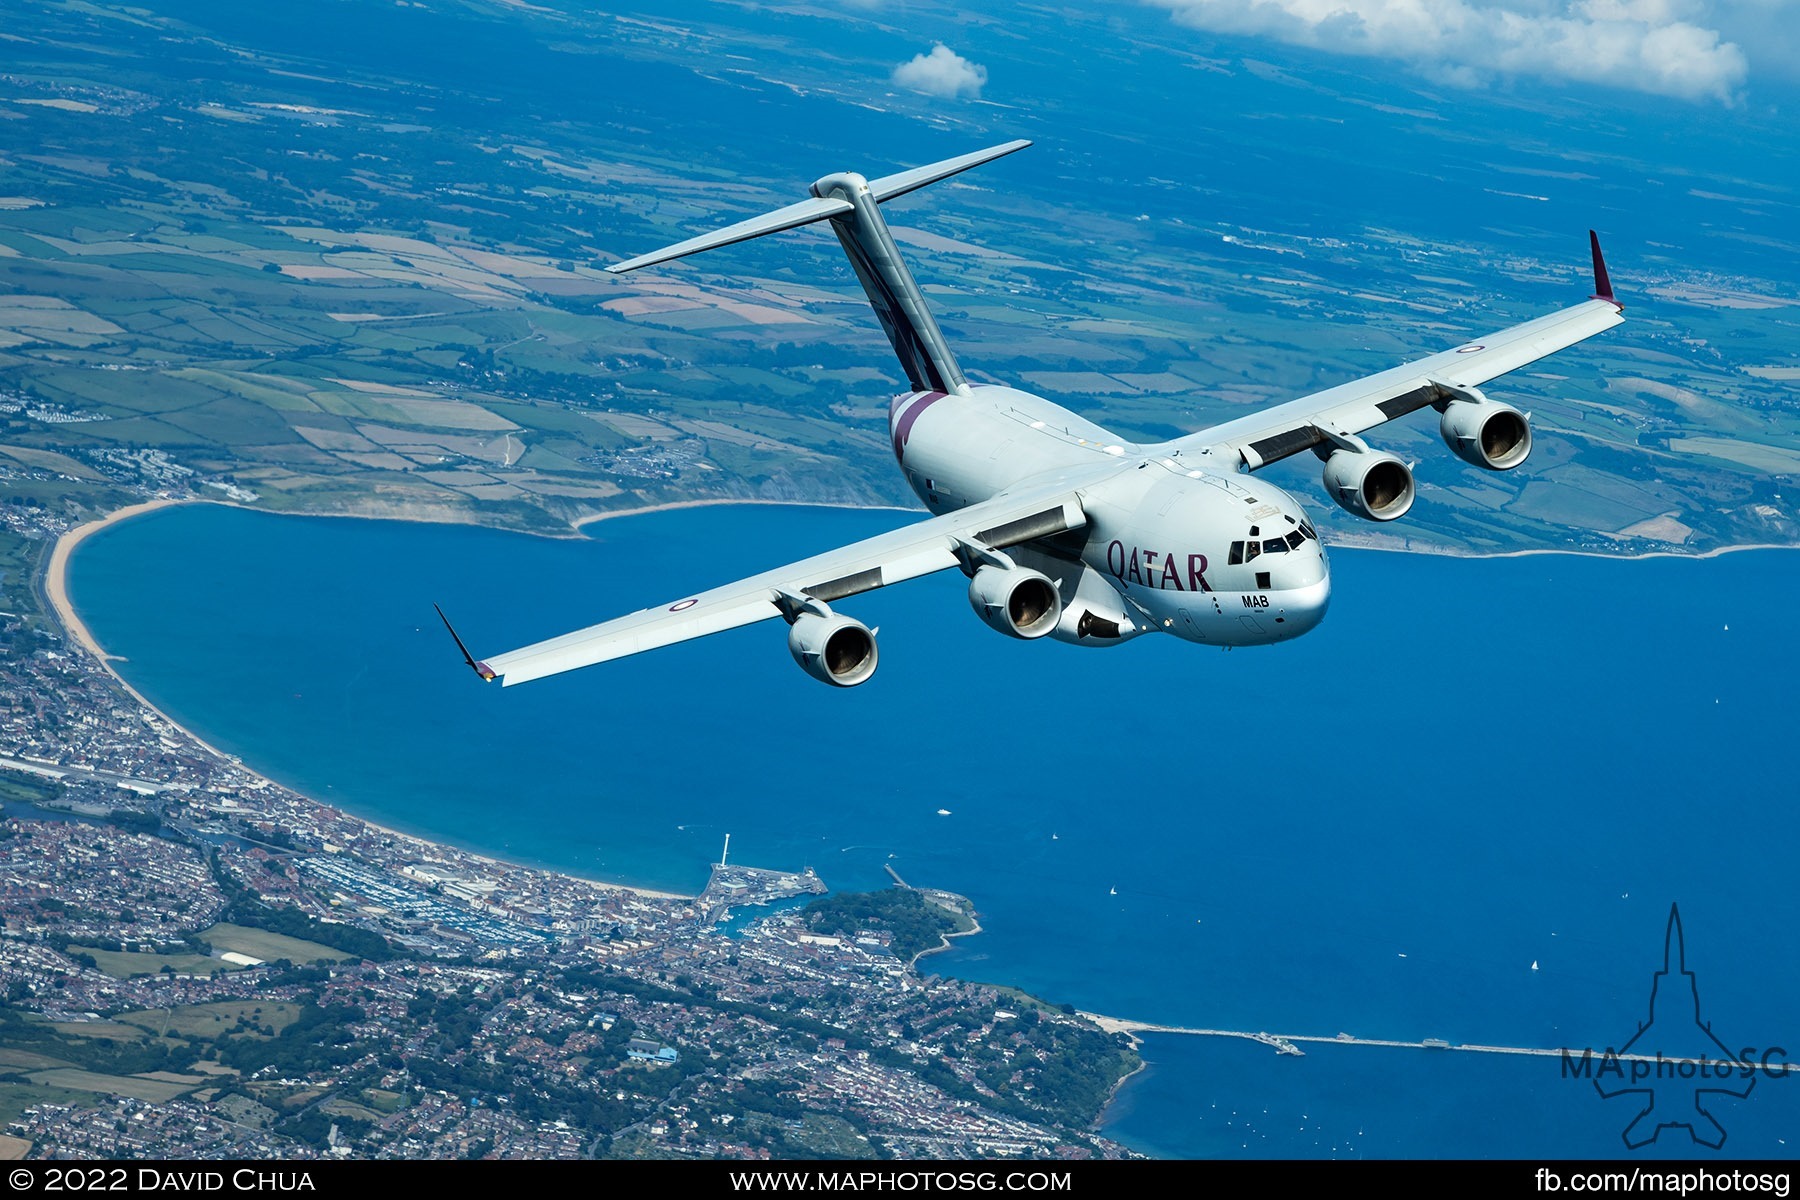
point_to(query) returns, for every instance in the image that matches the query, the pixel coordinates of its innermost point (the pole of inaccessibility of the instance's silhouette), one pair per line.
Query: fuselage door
(1195, 629)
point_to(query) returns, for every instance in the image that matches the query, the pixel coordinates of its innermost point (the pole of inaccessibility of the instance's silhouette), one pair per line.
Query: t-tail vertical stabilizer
(851, 203)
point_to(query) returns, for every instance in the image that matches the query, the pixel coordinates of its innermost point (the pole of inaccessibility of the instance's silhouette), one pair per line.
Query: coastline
(56, 591)
(55, 586)
(1433, 552)
(944, 941)
(56, 574)
(672, 505)
(1133, 1032)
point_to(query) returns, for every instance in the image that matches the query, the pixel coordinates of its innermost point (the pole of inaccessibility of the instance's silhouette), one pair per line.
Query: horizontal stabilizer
(791, 217)
(902, 182)
(853, 206)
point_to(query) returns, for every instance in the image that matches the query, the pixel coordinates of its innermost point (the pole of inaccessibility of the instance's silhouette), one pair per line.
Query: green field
(259, 943)
(110, 1030)
(24, 787)
(385, 1102)
(15, 1098)
(207, 1021)
(29, 1061)
(125, 964)
(157, 1090)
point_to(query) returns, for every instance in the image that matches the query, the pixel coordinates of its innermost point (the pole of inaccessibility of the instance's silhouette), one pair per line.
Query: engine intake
(1486, 433)
(833, 649)
(1369, 483)
(1015, 601)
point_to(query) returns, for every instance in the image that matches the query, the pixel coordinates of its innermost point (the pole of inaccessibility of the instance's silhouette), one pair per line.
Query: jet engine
(1369, 483)
(833, 649)
(1486, 433)
(1093, 611)
(1015, 601)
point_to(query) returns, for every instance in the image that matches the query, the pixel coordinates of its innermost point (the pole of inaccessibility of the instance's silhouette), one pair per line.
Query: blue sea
(1460, 809)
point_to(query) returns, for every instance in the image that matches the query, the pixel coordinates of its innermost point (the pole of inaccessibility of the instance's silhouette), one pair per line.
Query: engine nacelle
(1486, 433)
(1369, 483)
(1085, 624)
(1015, 601)
(1093, 611)
(833, 649)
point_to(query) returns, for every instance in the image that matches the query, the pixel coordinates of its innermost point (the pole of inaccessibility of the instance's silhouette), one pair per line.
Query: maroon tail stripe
(903, 429)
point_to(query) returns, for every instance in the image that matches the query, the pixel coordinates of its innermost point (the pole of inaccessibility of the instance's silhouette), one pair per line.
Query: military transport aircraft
(1065, 530)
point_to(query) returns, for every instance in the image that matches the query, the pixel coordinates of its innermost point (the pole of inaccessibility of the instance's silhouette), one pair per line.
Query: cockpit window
(1294, 539)
(1237, 554)
(1251, 550)
(1275, 546)
(1307, 529)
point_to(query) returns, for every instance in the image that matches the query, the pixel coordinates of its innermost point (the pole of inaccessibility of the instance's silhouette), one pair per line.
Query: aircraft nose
(1304, 607)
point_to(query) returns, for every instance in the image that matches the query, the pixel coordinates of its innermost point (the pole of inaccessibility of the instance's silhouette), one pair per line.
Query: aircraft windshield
(1250, 549)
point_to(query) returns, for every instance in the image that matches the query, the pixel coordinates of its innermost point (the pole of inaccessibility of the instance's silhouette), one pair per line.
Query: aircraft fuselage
(1064, 529)
(1174, 543)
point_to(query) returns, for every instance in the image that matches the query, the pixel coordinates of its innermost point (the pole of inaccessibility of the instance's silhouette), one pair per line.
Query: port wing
(1362, 404)
(931, 545)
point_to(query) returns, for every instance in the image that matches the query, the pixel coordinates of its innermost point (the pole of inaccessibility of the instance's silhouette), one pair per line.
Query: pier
(1290, 1043)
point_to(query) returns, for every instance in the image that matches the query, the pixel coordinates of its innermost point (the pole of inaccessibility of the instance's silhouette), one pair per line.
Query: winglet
(486, 672)
(1602, 284)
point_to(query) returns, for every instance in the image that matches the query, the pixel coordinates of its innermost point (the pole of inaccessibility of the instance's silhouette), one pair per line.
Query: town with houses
(197, 963)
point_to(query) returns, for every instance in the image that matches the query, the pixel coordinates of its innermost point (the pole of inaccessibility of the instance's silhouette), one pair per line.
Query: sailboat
(1113, 892)
(1534, 964)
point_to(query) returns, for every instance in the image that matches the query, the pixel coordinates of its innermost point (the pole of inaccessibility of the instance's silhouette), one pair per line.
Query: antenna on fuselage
(851, 203)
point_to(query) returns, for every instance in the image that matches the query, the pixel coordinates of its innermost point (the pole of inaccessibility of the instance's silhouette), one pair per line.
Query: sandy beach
(56, 590)
(56, 574)
(675, 504)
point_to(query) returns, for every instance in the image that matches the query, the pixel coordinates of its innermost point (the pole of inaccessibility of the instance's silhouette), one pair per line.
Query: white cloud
(1651, 46)
(943, 72)
(1768, 30)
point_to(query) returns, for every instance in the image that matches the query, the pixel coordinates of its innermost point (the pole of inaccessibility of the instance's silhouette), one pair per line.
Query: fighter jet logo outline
(1680, 1076)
